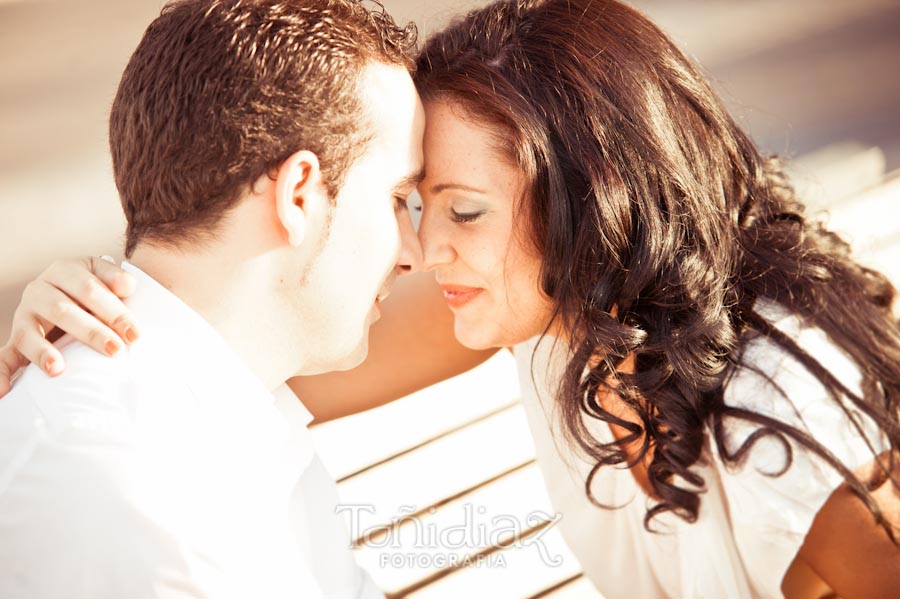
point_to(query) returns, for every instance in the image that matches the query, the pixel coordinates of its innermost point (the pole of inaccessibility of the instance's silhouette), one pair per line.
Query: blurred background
(802, 75)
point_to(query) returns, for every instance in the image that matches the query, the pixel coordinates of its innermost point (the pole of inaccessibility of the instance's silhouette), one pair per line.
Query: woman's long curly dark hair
(660, 225)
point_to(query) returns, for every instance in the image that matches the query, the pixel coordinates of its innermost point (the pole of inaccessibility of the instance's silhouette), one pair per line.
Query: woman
(711, 380)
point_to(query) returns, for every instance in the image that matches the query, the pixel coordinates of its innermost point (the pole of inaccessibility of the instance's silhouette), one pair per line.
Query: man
(263, 151)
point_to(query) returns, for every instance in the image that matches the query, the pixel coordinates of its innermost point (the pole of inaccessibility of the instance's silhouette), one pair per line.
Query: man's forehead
(390, 98)
(412, 179)
(386, 79)
(396, 122)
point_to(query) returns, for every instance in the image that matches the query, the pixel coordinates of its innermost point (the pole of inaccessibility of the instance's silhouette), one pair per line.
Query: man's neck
(230, 293)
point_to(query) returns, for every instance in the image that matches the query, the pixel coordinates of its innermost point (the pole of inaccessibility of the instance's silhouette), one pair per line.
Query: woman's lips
(458, 295)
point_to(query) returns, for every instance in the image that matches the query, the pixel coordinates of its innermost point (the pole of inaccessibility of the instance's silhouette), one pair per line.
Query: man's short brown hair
(220, 92)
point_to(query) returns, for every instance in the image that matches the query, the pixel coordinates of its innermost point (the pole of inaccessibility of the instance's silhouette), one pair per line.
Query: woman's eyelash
(466, 217)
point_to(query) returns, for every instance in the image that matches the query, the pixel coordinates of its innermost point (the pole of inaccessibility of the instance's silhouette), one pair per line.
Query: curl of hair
(660, 225)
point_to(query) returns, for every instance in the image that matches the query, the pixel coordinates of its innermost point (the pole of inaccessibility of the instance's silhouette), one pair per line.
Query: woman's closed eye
(466, 217)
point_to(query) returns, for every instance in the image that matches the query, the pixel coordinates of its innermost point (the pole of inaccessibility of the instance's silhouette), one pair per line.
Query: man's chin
(355, 357)
(348, 359)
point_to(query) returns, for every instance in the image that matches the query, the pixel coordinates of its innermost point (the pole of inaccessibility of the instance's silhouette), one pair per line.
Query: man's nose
(410, 259)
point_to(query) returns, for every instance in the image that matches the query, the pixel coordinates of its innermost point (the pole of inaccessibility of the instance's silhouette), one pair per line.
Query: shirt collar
(192, 337)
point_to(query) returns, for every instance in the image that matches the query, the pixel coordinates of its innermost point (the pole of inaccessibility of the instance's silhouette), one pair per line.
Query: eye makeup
(467, 216)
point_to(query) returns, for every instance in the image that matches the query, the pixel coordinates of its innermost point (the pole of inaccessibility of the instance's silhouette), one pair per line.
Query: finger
(56, 308)
(32, 346)
(92, 292)
(11, 361)
(119, 281)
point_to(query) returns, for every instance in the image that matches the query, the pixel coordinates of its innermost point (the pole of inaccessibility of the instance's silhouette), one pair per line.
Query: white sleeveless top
(750, 526)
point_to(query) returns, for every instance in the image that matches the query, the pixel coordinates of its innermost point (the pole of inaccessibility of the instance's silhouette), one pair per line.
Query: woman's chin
(482, 335)
(473, 336)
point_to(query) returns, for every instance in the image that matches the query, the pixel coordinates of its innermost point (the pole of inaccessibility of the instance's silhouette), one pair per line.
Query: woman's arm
(81, 297)
(411, 347)
(846, 550)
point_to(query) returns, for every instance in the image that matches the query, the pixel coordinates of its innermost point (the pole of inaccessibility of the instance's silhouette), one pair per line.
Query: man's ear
(299, 193)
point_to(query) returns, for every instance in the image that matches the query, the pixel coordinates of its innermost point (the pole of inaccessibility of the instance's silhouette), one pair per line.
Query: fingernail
(131, 334)
(111, 348)
(51, 367)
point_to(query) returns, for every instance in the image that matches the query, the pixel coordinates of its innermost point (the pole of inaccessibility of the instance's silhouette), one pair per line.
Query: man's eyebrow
(436, 189)
(410, 180)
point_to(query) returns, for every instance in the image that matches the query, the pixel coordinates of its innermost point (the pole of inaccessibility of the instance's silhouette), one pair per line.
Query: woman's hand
(80, 297)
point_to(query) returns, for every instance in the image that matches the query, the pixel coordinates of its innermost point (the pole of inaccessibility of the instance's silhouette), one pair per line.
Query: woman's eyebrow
(436, 189)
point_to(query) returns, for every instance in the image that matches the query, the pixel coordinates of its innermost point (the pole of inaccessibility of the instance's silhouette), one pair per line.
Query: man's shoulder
(92, 389)
(99, 416)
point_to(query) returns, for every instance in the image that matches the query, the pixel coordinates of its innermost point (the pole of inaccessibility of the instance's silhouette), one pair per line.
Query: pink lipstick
(458, 296)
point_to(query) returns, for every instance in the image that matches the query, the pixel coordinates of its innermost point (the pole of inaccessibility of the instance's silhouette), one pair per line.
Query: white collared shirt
(168, 471)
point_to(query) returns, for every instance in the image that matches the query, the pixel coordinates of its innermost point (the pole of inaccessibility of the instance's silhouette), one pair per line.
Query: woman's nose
(437, 247)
